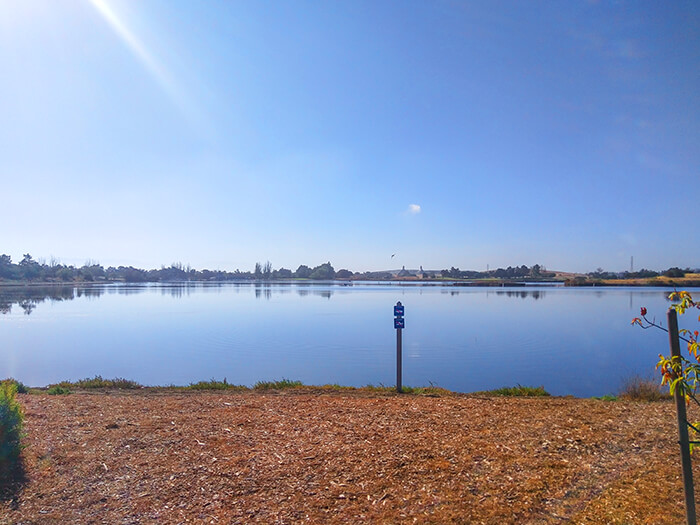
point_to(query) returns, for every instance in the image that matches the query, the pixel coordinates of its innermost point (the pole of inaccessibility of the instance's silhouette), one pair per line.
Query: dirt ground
(319, 457)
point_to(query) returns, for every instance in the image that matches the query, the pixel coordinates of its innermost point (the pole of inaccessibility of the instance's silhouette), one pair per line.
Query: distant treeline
(641, 274)
(519, 272)
(29, 269)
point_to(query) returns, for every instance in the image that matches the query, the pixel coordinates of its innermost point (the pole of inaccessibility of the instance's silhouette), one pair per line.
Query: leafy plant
(58, 390)
(11, 423)
(678, 372)
(21, 387)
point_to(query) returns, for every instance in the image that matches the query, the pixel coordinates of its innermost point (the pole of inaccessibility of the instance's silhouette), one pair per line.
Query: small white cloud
(413, 209)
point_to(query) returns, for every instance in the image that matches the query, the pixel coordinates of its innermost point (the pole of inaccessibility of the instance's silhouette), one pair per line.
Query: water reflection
(90, 293)
(177, 291)
(28, 297)
(522, 294)
(263, 291)
(304, 292)
(535, 294)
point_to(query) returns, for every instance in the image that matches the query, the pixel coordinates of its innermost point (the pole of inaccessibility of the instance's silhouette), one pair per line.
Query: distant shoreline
(575, 282)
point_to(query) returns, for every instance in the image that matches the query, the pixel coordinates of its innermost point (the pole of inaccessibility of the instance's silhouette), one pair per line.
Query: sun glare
(141, 53)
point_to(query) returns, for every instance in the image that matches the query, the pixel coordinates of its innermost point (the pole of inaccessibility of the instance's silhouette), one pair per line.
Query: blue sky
(464, 134)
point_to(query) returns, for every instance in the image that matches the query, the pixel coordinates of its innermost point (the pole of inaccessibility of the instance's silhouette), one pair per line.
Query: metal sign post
(398, 325)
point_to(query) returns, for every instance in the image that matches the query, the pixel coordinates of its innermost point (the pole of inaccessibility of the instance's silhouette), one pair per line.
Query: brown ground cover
(319, 457)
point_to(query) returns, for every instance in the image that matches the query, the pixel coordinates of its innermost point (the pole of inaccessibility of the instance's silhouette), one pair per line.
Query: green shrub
(98, 382)
(21, 387)
(58, 390)
(213, 384)
(431, 390)
(11, 421)
(518, 391)
(606, 397)
(637, 388)
(335, 386)
(277, 385)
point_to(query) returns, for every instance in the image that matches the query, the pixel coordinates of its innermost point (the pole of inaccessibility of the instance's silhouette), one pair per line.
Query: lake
(576, 341)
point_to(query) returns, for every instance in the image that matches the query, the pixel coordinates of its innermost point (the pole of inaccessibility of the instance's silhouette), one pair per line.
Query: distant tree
(97, 270)
(323, 272)
(30, 269)
(133, 275)
(303, 272)
(6, 267)
(641, 274)
(267, 270)
(535, 270)
(282, 273)
(674, 272)
(175, 272)
(65, 273)
(257, 273)
(343, 274)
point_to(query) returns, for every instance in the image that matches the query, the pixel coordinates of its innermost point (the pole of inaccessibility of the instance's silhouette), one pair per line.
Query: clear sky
(451, 133)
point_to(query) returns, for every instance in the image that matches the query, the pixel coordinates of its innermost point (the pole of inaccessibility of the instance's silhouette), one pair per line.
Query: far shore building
(404, 272)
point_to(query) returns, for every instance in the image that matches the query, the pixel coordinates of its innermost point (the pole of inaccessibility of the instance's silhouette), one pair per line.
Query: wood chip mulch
(315, 457)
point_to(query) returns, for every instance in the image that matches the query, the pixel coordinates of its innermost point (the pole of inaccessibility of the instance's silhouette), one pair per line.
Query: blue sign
(399, 322)
(398, 311)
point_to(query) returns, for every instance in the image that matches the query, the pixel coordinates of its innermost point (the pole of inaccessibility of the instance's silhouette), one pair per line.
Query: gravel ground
(324, 457)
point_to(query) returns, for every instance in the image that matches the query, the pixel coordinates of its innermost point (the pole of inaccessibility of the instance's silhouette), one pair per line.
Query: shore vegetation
(11, 424)
(31, 270)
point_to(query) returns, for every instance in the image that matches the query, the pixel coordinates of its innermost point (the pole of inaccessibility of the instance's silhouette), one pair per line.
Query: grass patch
(11, 423)
(606, 397)
(99, 382)
(431, 390)
(337, 387)
(381, 388)
(638, 388)
(277, 385)
(517, 391)
(58, 390)
(213, 384)
(425, 390)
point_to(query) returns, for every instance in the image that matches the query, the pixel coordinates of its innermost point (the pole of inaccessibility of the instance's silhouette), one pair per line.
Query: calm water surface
(571, 340)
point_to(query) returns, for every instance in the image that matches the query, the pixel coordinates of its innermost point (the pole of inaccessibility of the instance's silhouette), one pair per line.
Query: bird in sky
(392, 255)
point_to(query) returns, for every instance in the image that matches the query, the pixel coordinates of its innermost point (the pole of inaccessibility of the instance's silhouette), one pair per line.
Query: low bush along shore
(336, 455)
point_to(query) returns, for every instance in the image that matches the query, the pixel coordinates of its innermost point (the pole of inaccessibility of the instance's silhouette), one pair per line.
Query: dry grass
(639, 388)
(690, 279)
